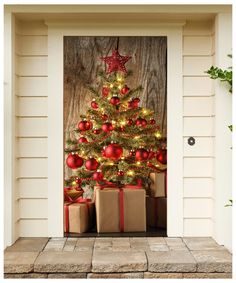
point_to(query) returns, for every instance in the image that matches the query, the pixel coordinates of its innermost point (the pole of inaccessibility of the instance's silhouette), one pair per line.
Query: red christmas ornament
(120, 173)
(104, 117)
(116, 62)
(107, 127)
(144, 122)
(161, 156)
(94, 104)
(82, 140)
(98, 176)
(124, 90)
(138, 122)
(151, 154)
(84, 125)
(113, 151)
(105, 91)
(115, 100)
(96, 131)
(74, 161)
(141, 154)
(133, 103)
(129, 122)
(152, 121)
(91, 164)
(78, 181)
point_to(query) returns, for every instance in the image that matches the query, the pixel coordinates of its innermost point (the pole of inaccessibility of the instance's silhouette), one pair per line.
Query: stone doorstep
(59, 262)
(28, 245)
(145, 275)
(171, 261)
(19, 262)
(109, 261)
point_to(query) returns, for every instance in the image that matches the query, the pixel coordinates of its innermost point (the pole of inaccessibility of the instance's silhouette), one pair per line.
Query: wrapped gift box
(120, 210)
(78, 217)
(156, 212)
(158, 184)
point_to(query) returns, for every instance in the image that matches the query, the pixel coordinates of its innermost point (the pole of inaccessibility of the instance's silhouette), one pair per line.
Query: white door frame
(56, 31)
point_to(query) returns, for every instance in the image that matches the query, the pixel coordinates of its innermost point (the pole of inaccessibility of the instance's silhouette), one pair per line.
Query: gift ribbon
(121, 188)
(66, 207)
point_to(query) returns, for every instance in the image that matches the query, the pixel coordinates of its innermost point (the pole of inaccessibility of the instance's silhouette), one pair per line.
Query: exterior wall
(198, 121)
(31, 123)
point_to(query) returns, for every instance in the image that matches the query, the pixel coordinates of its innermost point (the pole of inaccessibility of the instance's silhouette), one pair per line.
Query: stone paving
(110, 257)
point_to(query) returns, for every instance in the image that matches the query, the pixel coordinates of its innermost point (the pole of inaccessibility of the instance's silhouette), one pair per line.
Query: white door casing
(56, 31)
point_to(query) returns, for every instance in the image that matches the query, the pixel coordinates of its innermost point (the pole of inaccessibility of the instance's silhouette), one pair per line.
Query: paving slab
(130, 275)
(156, 240)
(201, 244)
(19, 262)
(171, 261)
(63, 262)
(83, 249)
(28, 245)
(158, 248)
(25, 275)
(67, 275)
(213, 261)
(108, 261)
(214, 275)
(149, 275)
(70, 245)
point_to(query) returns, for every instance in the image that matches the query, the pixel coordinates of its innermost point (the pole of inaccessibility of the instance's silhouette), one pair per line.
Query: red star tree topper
(116, 62)
(117, 140)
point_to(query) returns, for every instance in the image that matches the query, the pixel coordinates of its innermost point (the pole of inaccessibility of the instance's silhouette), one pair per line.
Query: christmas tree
(116, 140)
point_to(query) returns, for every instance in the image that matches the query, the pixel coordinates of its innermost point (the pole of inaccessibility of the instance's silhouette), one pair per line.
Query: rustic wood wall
(81, 63)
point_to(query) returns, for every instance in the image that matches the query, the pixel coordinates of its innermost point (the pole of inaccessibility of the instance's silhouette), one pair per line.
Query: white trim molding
(56, 32)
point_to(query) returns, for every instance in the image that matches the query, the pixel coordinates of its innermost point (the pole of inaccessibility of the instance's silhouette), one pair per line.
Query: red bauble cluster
(91, 164)
(134, 103)
(113, 151)
(85, 125)
(141, 154)
(141, 122)
(107, 127)
(82, 140)
(115, 100)
(74, 161)
(105, 91)
(98, 176)
(151, 154)
(161, 156)
(124, 90)
(94, 104)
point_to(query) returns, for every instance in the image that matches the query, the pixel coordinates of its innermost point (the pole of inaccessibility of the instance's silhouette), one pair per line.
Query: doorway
(149, 66)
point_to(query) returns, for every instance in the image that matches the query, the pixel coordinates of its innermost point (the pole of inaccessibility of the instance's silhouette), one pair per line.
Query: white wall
(31, 140)
(198, 120)
(31, 122)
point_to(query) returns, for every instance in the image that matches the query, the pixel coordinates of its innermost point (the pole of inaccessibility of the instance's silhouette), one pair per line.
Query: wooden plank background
(82, 61)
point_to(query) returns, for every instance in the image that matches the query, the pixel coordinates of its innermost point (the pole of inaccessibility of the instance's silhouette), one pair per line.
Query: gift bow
(68, 198)
(121, 188)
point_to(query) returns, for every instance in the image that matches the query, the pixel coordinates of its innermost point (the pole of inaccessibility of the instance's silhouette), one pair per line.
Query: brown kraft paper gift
(81, 217)
(108, 210)
(156, 212)
(158, 185)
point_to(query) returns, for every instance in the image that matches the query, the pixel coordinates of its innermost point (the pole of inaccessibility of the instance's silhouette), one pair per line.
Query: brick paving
(111, 257)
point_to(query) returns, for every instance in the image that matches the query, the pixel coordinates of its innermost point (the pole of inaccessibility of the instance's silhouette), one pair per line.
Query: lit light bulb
(113, 122)
(136, 137)
(82, 152)
(74, 183)
(119, 79)
(130, 173)
(138, 162)
(111, 85)
(99, 159)
(111, 163)
(122, 158)
(123, 123)
(144, 111)
(120, 86)
(158, 135)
